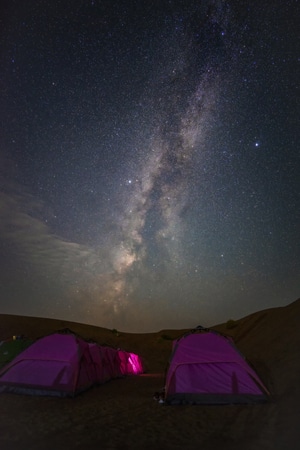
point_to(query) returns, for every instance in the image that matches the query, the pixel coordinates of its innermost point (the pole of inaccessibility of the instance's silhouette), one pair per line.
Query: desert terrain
(122, 414)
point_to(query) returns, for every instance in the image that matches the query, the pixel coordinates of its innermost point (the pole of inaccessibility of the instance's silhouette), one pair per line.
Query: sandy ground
(122, 414)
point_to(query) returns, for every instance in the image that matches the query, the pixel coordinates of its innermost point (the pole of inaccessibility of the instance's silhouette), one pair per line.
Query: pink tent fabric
(135, 365)
(206, 367)
(130, 363)
(123, 362)
(62, 365)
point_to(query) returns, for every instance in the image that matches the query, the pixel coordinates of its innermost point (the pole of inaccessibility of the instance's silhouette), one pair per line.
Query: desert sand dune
(122, 414)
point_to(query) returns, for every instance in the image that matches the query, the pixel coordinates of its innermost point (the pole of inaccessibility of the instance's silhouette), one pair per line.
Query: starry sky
(149, 160)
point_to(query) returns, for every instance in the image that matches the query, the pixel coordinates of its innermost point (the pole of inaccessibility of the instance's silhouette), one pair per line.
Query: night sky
(149, 160)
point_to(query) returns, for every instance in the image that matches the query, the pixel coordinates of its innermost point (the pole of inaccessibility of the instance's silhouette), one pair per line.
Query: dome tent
(206, 368)
(57, 365)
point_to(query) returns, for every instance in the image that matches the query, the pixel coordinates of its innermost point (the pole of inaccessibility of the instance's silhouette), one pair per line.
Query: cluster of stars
(149, 161)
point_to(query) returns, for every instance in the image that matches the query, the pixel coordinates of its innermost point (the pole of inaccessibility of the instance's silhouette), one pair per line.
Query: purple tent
(101, 365)
(112, 361)
(206, 368)
(63, 364)
(58, 365)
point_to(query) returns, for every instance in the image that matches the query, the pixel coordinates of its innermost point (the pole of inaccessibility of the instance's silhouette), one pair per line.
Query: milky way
(149, 161)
